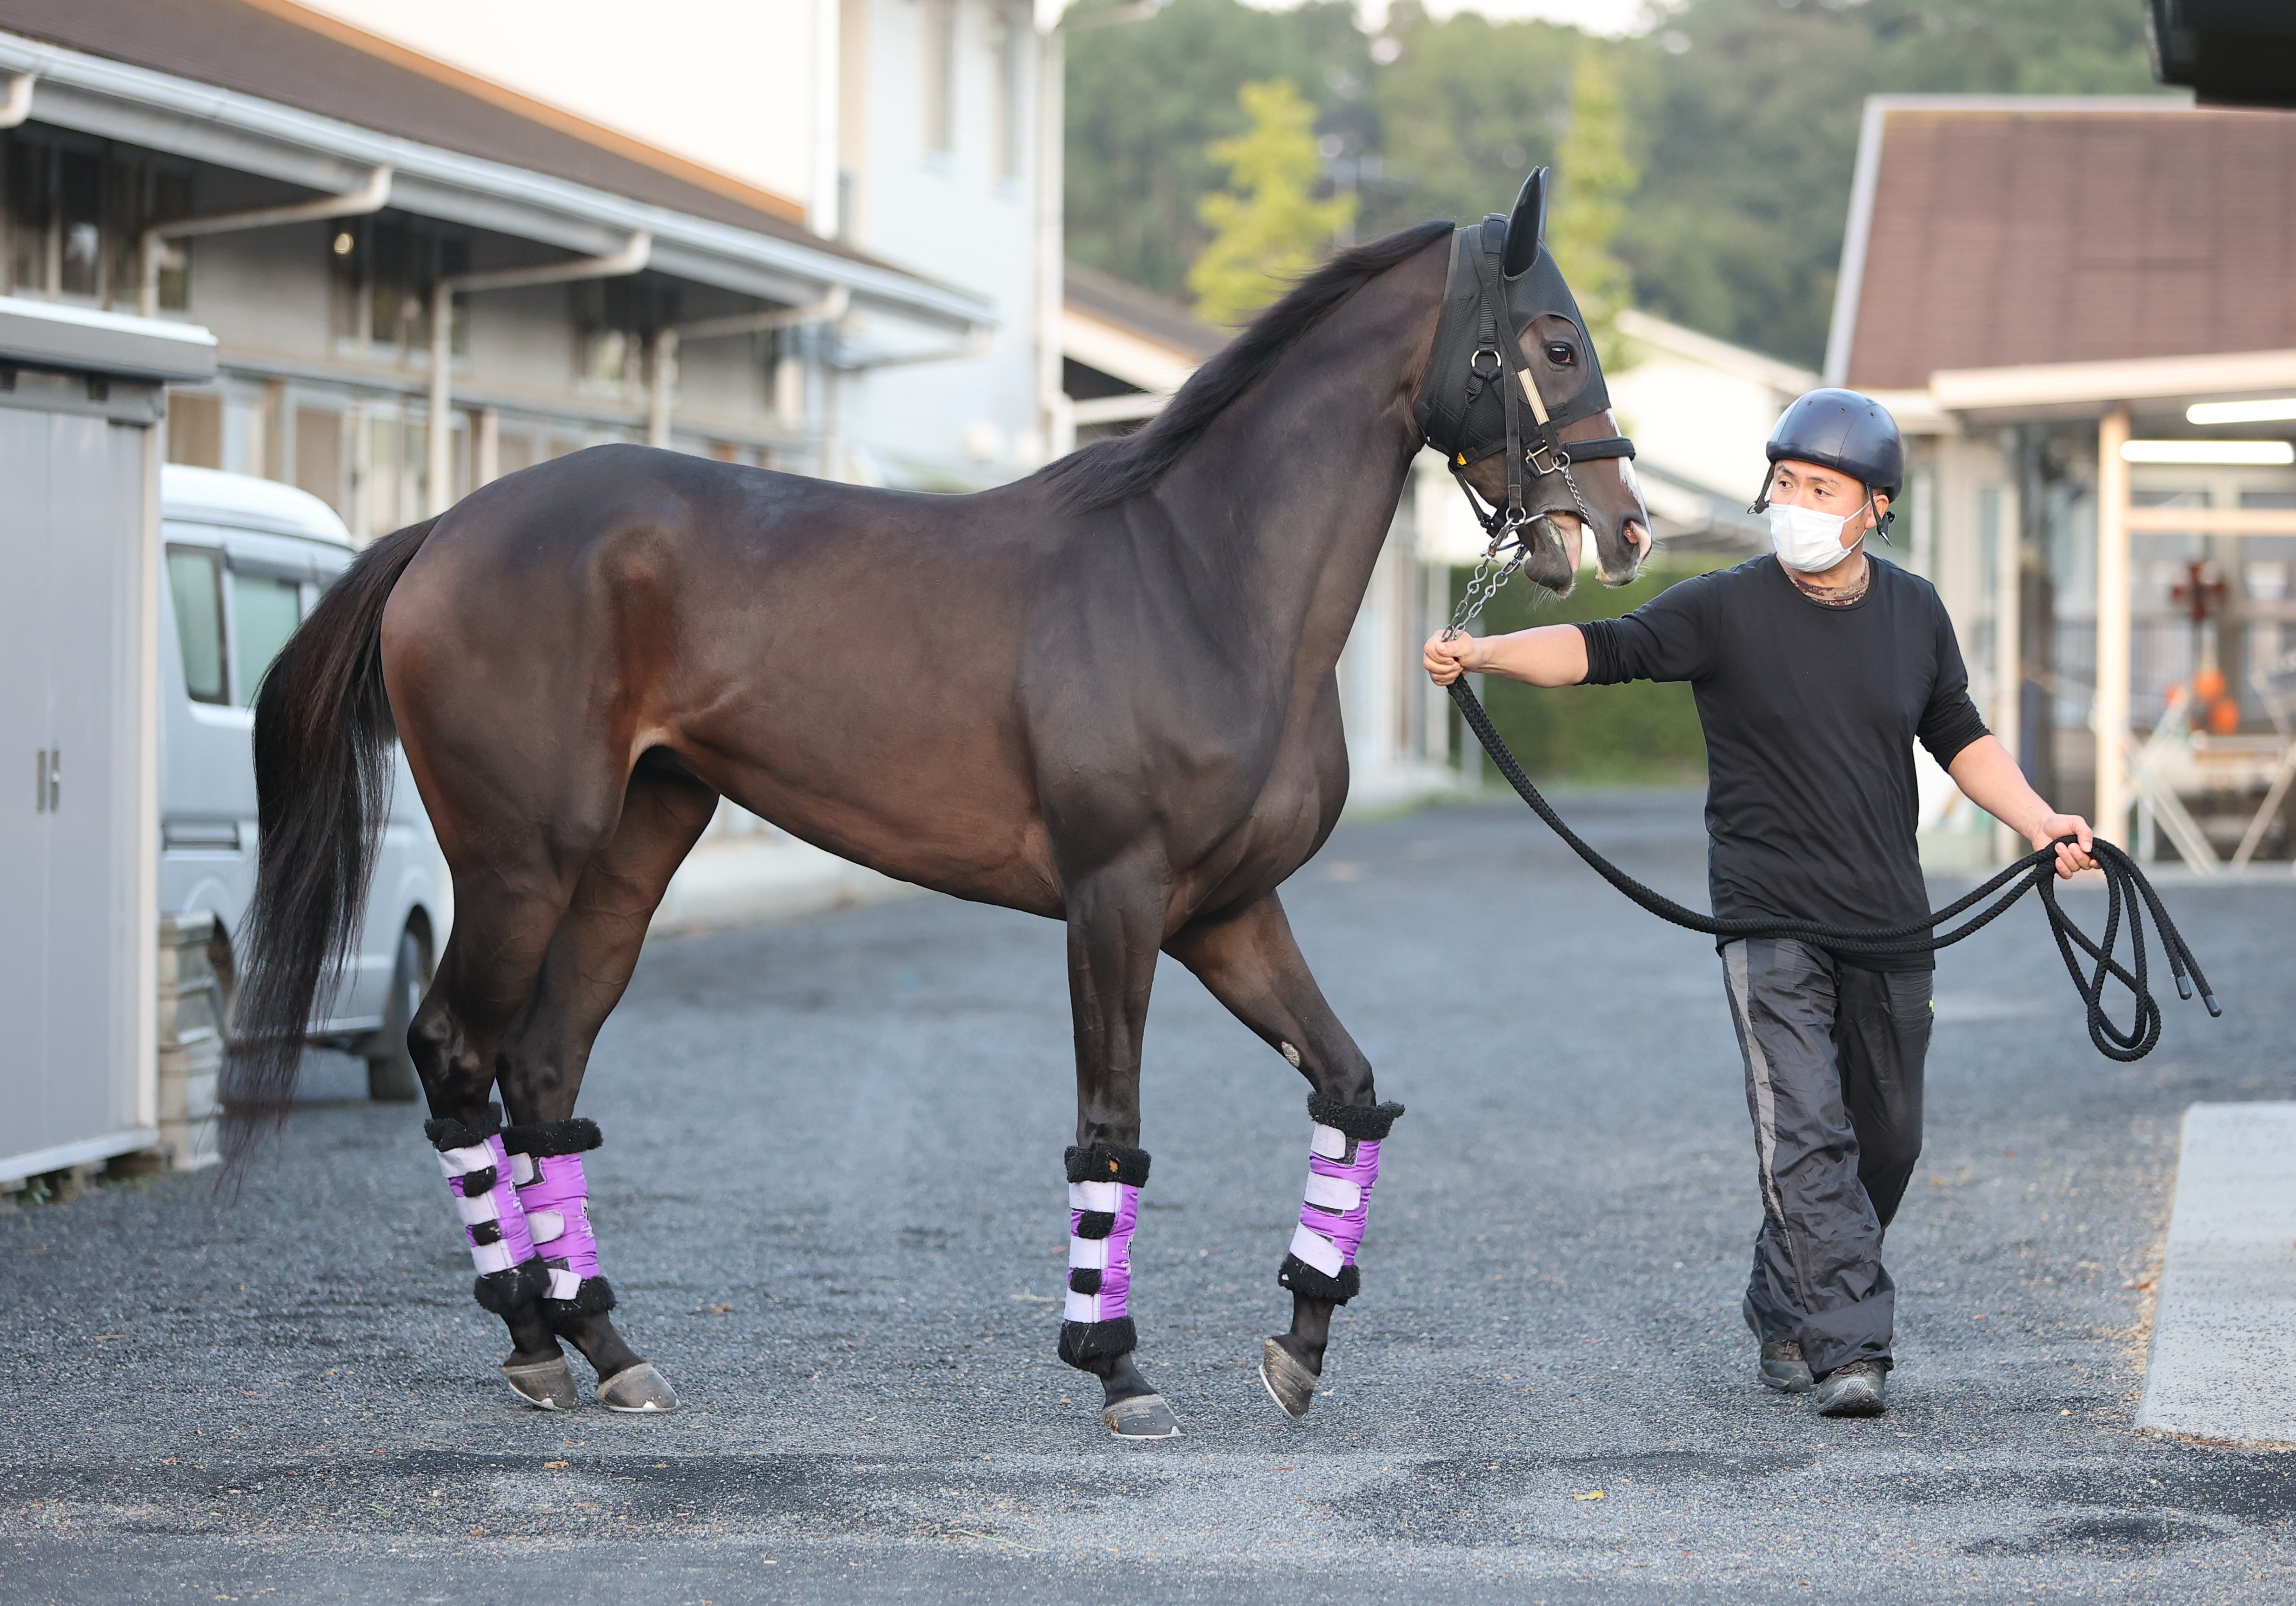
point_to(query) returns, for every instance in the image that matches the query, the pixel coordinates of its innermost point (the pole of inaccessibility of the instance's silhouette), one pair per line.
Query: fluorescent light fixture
(2257, 453)
(2242, 413)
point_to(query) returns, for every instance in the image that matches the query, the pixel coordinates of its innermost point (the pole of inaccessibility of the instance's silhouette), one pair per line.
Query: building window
(73, 214)
(384, 267)
(938, 58)
(1009, 40)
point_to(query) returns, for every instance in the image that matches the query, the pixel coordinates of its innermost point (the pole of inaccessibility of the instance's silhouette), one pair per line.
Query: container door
(97, 844)
(25, 1121)
(71, 845)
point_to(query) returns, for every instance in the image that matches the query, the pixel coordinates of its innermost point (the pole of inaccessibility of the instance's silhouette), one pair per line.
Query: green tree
(1267, 226)
(1742, 116)
(1466, 108)
(1146, 99)
(1595, 176)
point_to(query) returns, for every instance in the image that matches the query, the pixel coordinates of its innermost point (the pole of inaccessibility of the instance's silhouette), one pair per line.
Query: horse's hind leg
(583, 974)
(1115, 919)
(505, 912)
(1249, 962)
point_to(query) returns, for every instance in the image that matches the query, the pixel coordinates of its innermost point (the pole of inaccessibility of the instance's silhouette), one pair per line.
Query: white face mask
(1806, 540)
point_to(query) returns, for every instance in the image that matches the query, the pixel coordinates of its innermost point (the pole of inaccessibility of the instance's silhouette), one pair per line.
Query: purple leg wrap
(557, 1201)
(1104, 1183)
(1343, 1167)
(479, 1177)
(477, 1171)
(555, 1195)
(1107, 1259)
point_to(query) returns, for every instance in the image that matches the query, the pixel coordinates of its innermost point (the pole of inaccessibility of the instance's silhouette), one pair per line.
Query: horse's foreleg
(588, 964)
(1249, 962)
(1115, 921)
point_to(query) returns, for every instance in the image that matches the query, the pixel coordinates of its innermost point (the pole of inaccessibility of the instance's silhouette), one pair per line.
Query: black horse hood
(1459, 406)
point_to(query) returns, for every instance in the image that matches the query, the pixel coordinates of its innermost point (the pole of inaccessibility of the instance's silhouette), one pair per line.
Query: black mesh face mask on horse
(1474, 390)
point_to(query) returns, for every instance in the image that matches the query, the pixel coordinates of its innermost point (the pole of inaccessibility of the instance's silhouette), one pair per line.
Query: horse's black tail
(323, 740)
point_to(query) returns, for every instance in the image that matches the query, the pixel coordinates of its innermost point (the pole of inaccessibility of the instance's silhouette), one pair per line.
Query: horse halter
(1474, 389)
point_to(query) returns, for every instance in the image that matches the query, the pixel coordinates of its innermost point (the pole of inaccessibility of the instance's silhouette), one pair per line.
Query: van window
(195, 580)
(265, 612)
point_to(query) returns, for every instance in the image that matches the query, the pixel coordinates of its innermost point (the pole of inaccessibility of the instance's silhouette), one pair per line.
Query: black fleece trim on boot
(594, 1298)
(543, 1139)
(446, 1132)
(1092, 1223)
(1366, 1123)
(506, 1292)
(1108, 1162)
(1301, 1278)
(1084, 1280)
(1085, 1342)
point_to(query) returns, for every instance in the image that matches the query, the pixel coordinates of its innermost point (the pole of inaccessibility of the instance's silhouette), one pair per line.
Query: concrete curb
(2224, 1332)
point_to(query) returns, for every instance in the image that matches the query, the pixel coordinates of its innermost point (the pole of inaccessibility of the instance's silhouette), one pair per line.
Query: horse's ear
(1528, 227)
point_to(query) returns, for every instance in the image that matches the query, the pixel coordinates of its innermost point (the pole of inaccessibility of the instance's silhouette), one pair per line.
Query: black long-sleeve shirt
(1810, 712)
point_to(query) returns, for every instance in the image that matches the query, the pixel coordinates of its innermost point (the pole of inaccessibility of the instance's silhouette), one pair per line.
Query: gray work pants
(1833, 1081)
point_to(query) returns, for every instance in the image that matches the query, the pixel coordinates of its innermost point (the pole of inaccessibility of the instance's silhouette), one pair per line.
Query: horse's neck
(1297, 486)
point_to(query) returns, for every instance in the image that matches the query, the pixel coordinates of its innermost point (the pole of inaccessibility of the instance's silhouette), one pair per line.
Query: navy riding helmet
(1843, 430)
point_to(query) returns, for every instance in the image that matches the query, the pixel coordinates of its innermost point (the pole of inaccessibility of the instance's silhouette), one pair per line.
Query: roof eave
(94, 95)
(2042, 391)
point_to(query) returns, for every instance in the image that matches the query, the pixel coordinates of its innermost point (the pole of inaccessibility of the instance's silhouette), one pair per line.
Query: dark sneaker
(1783, 1367)
(1853, 1390)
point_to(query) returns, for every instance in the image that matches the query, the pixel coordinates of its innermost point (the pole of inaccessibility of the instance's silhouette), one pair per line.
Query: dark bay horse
(1103, 694)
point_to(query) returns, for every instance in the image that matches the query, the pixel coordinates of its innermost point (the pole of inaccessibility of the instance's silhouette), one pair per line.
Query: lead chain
(1483, 584)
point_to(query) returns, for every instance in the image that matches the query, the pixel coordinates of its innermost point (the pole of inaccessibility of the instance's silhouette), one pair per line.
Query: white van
(245, 560)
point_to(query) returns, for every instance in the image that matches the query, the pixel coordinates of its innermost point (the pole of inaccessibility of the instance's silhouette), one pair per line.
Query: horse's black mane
(1109, 471)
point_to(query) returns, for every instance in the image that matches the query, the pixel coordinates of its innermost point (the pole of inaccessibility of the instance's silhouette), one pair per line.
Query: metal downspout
(18, 106)
(670, 337)
(631, 258)
(156, 248)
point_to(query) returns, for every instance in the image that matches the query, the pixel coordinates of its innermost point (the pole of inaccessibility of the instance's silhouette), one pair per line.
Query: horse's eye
(1560, 355)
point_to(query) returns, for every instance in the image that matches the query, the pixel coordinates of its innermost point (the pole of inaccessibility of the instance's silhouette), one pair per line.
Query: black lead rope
(2125, 886)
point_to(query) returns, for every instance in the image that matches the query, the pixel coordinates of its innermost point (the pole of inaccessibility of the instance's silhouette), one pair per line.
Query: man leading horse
(1816, 667)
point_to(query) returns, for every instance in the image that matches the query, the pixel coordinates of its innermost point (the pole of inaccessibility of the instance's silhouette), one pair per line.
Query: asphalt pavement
(831, 1198)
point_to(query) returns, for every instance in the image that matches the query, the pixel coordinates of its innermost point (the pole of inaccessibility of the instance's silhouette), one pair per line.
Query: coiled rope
(2125, 887)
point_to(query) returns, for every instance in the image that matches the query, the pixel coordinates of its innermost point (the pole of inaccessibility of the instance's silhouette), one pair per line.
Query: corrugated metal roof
(1997, 234)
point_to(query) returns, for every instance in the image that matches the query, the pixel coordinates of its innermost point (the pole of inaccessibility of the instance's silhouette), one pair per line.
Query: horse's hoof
(547, 1384)
(638, 1387)
(1288, 1384)
(1143, 1416)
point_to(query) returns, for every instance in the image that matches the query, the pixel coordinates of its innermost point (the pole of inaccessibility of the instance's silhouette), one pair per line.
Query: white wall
(951, 216)
(725, 83)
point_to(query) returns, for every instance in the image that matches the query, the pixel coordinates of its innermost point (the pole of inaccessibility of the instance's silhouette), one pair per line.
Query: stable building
(419, 280)
(2082, 312)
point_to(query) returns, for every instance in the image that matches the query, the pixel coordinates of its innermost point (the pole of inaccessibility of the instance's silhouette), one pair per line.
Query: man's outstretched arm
(1549, 655)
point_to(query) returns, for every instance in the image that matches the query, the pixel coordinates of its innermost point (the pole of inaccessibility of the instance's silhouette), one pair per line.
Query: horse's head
(1559, 399)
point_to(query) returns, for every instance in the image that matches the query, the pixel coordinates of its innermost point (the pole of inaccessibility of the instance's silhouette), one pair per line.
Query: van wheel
(390, 1074)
